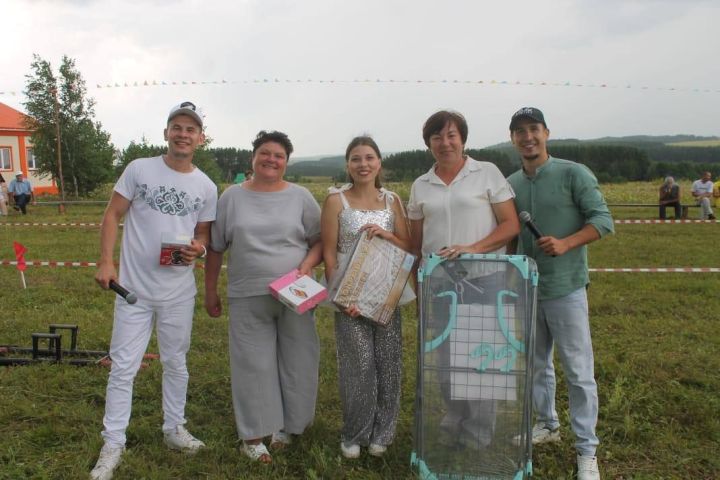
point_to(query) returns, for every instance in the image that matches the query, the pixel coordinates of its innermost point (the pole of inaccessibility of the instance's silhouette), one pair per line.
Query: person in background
(369, 356)
(565, 203)
(702, 191)
(248, 174)
(21, 192)
(670, 197)
(156, 196)
(269, 227)
(716, 194)
(3, 196)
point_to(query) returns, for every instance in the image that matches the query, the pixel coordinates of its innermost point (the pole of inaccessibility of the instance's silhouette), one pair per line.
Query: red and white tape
(8, 224)
(663, 221)
(36, 263)
(658, 270)
(82, 224)
(51, 263)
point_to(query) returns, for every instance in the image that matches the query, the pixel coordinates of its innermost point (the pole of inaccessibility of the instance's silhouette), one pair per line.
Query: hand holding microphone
(129, 296)
(527, 220)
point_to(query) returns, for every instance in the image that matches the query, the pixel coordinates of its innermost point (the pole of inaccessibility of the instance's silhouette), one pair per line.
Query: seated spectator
(20, 192)
(702, 190)
(3, 196)
(670, 197)
(716, 193)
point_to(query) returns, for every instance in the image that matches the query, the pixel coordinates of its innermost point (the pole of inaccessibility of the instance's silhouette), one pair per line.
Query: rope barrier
(84, 224)
(55, 263)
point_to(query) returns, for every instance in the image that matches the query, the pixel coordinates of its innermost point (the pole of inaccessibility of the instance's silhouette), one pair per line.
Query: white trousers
(132, 329)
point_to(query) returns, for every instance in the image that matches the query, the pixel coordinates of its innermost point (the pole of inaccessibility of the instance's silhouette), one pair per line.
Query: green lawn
(655, 336)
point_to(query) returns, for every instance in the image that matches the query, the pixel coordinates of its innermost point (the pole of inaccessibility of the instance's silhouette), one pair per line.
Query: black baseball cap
(527, 112)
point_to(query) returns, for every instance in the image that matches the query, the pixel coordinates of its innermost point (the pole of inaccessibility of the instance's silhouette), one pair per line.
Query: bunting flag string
(386, 81)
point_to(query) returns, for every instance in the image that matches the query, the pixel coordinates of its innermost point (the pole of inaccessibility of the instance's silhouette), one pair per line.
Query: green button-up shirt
(562, 198)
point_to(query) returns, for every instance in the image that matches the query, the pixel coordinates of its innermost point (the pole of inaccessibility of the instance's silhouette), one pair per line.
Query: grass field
(656, 340)
(696, 143)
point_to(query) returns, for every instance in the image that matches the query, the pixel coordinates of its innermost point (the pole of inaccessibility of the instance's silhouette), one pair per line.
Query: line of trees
(85, 148)
(89, 159)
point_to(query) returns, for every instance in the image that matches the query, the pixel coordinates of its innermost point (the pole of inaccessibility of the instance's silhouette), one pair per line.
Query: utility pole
(61, 206)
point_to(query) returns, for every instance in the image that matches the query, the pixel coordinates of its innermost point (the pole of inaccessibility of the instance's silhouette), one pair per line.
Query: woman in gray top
(369, 355)
(269, 227)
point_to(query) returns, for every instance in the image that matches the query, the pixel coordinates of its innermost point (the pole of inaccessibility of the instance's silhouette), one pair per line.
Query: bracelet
(204, 252)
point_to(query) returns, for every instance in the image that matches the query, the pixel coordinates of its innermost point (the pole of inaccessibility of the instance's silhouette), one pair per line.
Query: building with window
(16, 152)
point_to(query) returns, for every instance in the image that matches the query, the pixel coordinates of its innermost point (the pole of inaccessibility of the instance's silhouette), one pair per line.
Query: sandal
(257, 452)
(280, 440)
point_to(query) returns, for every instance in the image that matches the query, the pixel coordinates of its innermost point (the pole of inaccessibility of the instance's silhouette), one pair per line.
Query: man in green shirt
(566, 205)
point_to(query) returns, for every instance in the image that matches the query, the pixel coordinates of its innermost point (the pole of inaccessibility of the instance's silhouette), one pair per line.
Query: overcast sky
(639, 49)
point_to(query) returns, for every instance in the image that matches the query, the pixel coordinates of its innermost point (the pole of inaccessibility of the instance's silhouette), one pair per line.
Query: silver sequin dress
(369, 356)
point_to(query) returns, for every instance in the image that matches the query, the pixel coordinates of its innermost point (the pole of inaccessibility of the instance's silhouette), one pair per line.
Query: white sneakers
(541, 433)
(180, 439)
(109, 459)
(587, 468)
(107, 462)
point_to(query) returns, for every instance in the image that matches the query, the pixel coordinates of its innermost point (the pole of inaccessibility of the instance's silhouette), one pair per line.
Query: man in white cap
(159, 197)
(20, 191)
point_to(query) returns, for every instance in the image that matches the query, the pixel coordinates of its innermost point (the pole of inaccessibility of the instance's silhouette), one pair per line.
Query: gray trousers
(274, 361)
(369, 370)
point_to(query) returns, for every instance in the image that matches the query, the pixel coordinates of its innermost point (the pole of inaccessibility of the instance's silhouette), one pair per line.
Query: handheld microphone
(129, 297)
(527, 220)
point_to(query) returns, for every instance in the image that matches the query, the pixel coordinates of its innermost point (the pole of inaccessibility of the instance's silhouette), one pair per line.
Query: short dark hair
(439, 120)
(367, 141)
(278, 137)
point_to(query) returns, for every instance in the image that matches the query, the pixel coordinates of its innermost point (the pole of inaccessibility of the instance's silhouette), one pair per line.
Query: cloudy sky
(301, 66)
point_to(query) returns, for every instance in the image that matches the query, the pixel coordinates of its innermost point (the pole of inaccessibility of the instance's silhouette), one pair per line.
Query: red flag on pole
(20, 256)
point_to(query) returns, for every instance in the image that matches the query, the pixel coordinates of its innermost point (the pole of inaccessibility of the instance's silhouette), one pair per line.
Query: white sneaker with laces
(180, 439)
(107, 462)
(587, 468)
(350, 451)
(542, 434)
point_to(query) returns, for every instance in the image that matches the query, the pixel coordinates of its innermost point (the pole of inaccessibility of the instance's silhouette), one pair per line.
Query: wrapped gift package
(373, 278)
(299, 293)
(170, 250)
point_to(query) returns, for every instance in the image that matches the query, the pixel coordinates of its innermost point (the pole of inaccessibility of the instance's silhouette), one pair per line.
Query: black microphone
(129, 297)
(527, 220)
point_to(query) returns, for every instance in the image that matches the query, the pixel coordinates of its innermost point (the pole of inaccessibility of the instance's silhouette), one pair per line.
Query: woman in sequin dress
(369, 355)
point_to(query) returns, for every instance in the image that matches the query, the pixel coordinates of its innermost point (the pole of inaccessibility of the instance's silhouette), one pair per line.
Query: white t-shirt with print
(162, 200)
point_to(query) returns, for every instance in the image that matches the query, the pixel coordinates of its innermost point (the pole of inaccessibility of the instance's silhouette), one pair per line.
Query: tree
(203, 158)
(86, 151)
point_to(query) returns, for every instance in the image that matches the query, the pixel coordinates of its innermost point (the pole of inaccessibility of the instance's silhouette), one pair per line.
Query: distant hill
(659, 148)
(635, 141)
(323, 167)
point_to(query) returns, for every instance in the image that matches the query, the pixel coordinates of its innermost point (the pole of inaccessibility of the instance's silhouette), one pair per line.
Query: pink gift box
(299, 293)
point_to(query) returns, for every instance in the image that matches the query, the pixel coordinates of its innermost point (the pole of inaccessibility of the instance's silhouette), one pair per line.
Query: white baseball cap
(189, 109)
(19, 173)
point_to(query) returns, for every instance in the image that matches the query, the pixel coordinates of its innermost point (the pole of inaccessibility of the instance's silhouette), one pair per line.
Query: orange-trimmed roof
(11, 119)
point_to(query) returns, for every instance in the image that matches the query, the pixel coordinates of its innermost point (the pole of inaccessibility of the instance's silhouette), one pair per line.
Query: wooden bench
(685, 209)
